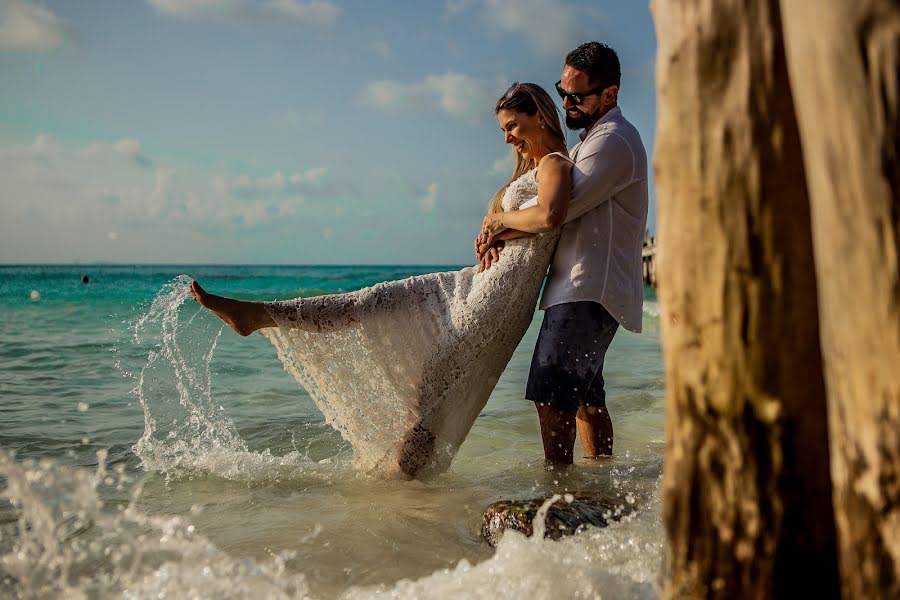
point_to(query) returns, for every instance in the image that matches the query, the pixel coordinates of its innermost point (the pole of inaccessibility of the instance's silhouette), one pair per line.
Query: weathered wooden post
(844, 61)
(747, 491)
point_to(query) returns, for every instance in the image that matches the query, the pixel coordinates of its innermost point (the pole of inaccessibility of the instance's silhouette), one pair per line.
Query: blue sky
(276, 131)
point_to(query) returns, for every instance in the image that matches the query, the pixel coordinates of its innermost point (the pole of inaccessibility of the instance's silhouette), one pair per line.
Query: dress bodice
(520, 191)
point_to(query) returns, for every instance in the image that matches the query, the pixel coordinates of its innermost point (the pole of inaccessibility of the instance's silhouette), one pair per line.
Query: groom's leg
(595, 430)
(594, 423)
(566, 379)
(554, 379)
(557, 433)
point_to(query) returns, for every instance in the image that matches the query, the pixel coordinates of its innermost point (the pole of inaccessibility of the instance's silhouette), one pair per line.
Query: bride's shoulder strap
(565, 156)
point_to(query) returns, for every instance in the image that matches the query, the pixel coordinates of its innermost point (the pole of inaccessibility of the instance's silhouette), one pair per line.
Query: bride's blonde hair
(528, 98)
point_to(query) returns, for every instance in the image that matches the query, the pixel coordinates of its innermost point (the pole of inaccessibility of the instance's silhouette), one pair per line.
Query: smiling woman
(423, 353)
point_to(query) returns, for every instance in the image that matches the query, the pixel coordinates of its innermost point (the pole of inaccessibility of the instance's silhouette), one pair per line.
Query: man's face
(582, 116)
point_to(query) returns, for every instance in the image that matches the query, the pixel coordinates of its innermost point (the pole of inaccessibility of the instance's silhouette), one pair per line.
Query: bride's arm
(554, 191)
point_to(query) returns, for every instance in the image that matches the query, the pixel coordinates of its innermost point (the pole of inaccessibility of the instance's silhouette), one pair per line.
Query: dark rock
(563, 518)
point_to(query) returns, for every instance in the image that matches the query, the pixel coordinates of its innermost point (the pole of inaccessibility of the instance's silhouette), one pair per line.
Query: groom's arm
(603, 170)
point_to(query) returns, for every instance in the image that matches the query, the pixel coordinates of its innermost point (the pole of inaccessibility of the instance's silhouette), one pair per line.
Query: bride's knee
(415, 450)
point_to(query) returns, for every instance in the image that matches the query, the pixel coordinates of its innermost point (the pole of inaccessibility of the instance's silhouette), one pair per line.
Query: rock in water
(563, 518)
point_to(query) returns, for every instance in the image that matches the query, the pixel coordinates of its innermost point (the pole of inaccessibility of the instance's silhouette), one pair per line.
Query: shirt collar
(613, 112)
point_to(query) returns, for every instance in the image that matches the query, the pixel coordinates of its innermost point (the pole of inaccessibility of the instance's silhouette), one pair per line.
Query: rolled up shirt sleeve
(529, 203)
(605, 166)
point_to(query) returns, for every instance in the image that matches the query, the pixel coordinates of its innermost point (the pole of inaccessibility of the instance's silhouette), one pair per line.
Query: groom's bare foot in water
(243, 317)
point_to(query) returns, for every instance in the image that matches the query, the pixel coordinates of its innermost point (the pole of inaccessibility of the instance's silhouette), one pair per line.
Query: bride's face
(523, 132)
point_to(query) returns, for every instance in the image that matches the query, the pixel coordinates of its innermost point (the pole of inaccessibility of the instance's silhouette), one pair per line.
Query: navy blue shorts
(567, 366)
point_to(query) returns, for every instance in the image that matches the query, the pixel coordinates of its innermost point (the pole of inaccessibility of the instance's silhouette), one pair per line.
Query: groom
(595, 282)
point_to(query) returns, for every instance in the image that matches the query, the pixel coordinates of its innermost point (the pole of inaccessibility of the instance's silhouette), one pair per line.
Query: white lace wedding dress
(417, 355)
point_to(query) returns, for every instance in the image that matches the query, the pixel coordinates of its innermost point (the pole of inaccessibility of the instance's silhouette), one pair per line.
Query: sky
(277, 131)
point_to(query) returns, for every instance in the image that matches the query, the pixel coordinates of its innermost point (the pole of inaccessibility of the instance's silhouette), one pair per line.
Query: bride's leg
(417, 446)
(320, 314)
(415, 450)
(242, 316)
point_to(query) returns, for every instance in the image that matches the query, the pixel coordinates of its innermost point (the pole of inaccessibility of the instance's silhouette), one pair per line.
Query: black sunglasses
(577, 98)
(512, 90)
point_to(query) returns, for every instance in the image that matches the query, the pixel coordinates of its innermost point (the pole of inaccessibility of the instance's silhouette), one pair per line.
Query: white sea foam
(65, 543)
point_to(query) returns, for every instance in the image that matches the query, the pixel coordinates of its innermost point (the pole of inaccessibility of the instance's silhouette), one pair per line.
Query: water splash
(65, 542)
(185, 429)
(539, 523)
(174, 387)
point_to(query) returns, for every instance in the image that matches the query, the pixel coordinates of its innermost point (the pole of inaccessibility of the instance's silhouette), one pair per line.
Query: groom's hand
(490, 227)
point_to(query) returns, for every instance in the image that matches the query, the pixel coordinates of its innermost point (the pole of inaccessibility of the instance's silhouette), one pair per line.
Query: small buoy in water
(35, 295)
(85, 279)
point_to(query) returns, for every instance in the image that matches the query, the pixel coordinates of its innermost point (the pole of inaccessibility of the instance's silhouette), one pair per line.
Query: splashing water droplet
(539, 524)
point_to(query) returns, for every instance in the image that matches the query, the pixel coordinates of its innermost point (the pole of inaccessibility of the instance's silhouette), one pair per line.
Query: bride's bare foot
(237, 314)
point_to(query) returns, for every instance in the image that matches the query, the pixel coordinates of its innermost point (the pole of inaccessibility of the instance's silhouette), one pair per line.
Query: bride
(403, 368)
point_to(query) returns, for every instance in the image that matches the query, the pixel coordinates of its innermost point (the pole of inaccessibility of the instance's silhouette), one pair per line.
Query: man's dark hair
(599, 61)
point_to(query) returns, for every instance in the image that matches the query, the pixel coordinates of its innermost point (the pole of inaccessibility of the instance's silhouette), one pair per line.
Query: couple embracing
(403, 368)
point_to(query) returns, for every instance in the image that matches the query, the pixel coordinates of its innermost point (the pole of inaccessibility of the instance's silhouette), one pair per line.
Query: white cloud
(551, 27)
(429, 201)
(275, 182)
(313, 176)
(128, 149)
(317, 12)
(30, 28)
(83, 186)
(457, 94)
(41, 148)
(310, 13)
(245, 186)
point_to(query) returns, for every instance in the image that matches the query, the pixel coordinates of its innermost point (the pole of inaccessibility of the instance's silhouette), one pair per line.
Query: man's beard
(581, 121)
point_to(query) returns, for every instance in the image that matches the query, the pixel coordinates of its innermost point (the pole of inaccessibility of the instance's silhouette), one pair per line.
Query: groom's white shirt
(599, 253)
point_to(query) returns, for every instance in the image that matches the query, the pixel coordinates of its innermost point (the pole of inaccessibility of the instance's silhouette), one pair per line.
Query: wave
(67, 542)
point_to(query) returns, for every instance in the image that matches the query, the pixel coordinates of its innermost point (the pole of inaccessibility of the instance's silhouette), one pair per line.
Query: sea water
(145, 451)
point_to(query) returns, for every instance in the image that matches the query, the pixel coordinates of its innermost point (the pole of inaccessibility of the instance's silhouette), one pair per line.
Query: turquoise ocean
(145, 451)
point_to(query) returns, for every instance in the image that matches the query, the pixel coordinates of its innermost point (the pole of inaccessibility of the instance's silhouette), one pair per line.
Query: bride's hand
(490, 256)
